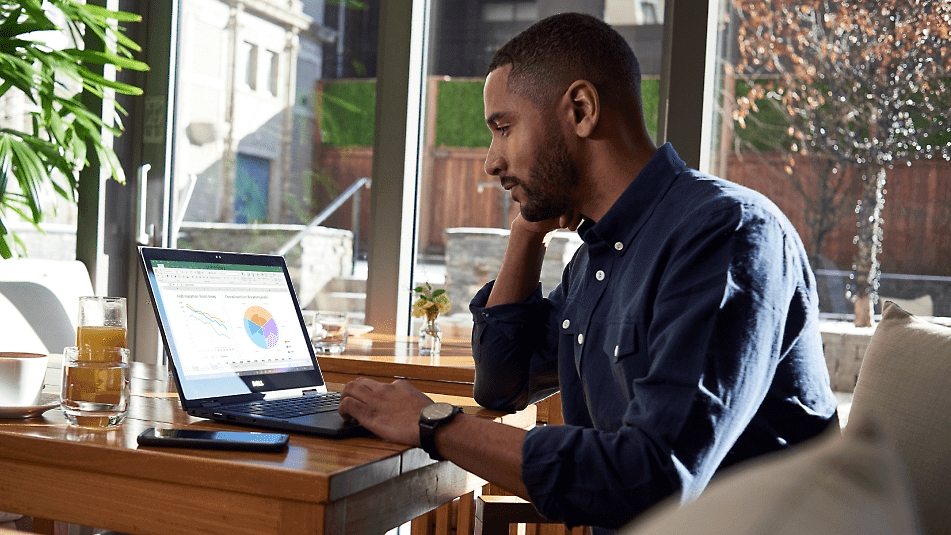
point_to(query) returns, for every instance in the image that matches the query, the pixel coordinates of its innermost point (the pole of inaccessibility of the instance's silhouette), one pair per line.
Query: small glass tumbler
(95, 387)
(329, 334)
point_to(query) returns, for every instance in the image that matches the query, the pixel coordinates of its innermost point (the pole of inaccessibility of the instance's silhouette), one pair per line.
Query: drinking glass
(95, 386)
(329, 334)
(102, 323)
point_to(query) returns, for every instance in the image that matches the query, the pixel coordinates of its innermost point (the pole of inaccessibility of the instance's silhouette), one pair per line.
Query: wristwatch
(430, 418)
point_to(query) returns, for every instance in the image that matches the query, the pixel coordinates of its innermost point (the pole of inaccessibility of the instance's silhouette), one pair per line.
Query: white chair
(39, 308)
(39, 302)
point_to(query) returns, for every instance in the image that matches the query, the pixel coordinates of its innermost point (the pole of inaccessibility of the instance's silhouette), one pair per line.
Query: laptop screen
(231, 327)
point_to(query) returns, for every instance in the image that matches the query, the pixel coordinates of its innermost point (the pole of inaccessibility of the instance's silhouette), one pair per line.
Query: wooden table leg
(50, 527)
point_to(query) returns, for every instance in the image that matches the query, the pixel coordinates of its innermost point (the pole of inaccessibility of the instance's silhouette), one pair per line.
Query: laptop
(238, 346)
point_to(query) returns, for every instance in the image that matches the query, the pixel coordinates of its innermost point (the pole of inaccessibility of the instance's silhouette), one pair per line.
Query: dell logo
(257, 383)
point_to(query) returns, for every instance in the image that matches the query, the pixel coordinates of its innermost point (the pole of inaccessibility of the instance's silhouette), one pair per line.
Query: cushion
(843, 484)
(904, 380)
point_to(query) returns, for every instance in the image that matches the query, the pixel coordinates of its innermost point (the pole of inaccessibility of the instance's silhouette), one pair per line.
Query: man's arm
(522, 264)
(490, 450)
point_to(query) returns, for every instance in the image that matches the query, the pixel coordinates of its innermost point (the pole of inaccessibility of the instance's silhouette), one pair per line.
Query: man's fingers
(570, 220)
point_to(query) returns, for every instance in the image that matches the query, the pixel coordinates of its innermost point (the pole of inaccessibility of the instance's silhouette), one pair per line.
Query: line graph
(217, 325)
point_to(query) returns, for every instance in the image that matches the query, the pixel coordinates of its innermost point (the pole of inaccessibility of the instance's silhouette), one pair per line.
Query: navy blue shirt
(684, 337)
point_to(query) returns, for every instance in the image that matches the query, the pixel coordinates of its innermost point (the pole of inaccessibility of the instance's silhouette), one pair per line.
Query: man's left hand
(388, 410)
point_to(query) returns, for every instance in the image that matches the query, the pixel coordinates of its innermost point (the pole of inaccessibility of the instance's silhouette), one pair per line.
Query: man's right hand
(522, 265)
(569, 220)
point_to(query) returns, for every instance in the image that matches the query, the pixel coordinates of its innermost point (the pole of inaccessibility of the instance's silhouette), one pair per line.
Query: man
(684, 334)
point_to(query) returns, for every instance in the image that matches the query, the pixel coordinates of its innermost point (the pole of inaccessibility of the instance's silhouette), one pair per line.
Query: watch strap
(427, 433)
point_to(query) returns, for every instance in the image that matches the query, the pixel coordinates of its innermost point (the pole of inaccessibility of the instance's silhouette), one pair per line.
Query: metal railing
(353, 191)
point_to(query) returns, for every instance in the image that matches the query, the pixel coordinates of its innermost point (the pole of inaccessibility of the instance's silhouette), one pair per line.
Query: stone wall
(474, 256)
(844, 345)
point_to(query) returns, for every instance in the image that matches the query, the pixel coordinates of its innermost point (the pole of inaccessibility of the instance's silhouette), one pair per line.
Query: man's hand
(388, 410)
(569, 220)
(522, 264)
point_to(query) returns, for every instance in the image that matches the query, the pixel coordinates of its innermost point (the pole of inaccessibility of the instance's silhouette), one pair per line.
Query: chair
(39, 301)
(494, 515)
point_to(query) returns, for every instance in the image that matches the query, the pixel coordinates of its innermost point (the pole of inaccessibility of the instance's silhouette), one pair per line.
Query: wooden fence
(917, 229)
(917, 212)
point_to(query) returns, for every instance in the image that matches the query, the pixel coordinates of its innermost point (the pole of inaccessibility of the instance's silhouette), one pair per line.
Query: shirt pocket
(626, 347)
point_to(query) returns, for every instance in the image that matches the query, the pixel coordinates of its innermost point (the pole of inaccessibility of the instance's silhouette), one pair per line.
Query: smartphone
(214, 440)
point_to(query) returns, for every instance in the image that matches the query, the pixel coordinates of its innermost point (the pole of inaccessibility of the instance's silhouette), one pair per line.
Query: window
(810, 154)
(273, 71)
(463, 213)
(649, 13)
(510, 12)
(260, 146)
(250, 65)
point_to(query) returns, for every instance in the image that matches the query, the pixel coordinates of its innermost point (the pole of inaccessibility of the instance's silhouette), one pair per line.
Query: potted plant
(45, 156)
(430, 303)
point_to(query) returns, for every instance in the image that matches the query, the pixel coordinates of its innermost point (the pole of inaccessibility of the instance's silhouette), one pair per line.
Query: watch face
(437, 411)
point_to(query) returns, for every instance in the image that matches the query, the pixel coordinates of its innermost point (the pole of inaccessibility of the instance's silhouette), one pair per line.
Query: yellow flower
(429, 302)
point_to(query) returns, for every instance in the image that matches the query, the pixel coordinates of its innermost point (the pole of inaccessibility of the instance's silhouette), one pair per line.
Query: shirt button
(599, 275)
(618, 246)
(580, 339)
(565, 324)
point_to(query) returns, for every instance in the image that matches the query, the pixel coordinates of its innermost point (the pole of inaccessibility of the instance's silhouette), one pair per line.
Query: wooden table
(101, 478)
(387, 357)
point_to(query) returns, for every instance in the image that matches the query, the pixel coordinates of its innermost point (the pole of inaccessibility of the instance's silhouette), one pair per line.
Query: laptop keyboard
(290, 407)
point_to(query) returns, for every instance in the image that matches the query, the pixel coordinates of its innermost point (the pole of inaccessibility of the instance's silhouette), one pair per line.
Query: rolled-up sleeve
(515, 355)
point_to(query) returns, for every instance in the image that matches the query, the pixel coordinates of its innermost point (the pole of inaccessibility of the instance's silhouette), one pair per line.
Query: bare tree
(863, 84)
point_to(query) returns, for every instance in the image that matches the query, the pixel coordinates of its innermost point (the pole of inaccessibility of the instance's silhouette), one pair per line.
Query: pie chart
(261, 327)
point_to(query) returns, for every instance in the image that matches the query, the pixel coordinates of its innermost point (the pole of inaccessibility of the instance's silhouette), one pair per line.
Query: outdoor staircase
(346, 294)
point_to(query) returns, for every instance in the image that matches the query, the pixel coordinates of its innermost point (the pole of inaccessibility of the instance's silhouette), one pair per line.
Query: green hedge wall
(348, 108)
(348, 113)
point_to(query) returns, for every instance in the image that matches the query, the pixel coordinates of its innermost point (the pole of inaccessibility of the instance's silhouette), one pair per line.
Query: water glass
(329, 332)
(95, 387)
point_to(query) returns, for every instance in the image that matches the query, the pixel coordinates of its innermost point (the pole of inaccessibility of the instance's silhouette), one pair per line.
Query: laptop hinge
(316, 390)
(210, 404)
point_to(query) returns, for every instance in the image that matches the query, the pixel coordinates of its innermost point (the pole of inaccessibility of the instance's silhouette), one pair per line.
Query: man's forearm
(521, 267)
(488, 449)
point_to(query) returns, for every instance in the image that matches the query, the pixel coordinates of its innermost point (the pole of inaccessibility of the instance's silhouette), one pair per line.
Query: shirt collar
(627, 215)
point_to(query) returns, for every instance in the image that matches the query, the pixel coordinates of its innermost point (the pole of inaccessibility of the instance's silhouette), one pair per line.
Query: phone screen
(231, 440)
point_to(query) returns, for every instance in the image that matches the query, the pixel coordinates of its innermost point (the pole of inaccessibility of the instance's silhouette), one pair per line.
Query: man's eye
(503, 130)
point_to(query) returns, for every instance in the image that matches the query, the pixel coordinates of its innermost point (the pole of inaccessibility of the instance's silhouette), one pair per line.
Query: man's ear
(585, 107)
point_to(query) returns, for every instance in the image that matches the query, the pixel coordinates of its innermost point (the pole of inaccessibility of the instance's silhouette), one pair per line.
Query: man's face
(528, 152)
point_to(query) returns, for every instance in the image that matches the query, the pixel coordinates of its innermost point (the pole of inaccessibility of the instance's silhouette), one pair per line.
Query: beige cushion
(845, 484)
(904, 380)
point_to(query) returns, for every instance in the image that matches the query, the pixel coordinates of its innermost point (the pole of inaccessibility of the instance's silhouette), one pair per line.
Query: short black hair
(556, 51)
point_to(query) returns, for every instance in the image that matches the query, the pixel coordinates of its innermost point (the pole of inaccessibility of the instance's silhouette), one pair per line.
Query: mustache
(508, 181)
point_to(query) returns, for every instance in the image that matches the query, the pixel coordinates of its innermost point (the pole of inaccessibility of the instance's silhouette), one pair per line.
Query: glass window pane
(270, 134)
(273, 72)
(250, 53)
(464, 213)
(850, 151)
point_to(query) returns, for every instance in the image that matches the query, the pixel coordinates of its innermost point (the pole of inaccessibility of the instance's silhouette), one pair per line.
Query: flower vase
(430, 338)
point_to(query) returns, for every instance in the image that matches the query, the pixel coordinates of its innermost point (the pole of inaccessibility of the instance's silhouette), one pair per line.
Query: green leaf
(121, 16)
(103, 58)
(93, 80)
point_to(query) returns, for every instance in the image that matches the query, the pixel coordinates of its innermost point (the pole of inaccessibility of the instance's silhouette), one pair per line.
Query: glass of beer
(97, 365)
(102, 323)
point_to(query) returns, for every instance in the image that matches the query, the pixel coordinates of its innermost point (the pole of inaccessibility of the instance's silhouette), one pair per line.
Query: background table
(387, 357)
(103, 479)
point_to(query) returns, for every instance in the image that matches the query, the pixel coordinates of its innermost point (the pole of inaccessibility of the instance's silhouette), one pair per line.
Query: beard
(553, 179)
